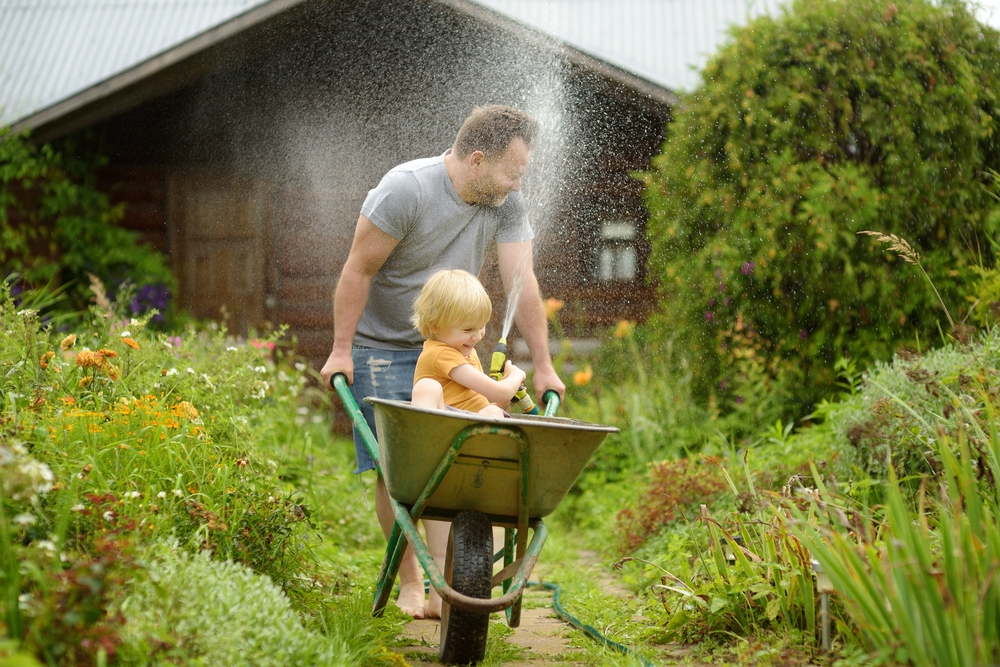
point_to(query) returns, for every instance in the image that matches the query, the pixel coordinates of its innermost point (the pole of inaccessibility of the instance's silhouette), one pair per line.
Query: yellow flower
(88, 359)
(85, 381)
(44, 362)
(131, 343)
(114, 372)
(583, 377)
(68, 342)
(624, 328)
(552, 306)
(110, 354)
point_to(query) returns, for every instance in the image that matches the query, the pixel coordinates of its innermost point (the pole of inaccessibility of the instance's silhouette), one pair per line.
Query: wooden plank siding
(252, 175)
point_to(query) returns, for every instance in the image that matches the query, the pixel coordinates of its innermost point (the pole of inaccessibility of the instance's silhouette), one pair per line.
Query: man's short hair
(490, 129)
(451, 298)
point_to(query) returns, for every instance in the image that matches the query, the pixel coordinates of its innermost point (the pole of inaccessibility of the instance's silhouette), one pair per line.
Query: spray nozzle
(496, 372)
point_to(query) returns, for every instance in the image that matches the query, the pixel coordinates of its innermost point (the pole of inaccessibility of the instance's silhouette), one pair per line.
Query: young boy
(451, 314)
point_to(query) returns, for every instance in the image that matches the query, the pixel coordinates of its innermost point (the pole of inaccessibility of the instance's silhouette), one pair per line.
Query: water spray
(497, 362)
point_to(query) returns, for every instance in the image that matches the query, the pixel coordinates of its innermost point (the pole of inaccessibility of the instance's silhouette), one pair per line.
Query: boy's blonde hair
(450, 298)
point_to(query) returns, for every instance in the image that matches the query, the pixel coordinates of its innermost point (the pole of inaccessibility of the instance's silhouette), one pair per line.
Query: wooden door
(220, 227)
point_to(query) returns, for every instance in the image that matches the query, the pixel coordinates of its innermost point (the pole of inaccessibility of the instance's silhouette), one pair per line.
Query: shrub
(233, 616)
(836, 117)
(56, 227)
(674, 491)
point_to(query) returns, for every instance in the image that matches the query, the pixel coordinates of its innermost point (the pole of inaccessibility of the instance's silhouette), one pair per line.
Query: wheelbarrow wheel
(468, 569)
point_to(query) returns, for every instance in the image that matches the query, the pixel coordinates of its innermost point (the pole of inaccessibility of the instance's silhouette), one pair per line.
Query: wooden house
(246, 150)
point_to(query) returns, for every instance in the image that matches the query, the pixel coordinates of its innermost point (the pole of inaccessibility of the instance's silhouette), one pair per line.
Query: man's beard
(488, 195)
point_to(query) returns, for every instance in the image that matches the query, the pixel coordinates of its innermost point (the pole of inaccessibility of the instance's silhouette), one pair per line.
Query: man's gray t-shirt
(417, 204)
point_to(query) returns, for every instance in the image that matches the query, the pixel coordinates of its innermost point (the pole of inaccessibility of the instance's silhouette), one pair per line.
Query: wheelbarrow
(477, 472)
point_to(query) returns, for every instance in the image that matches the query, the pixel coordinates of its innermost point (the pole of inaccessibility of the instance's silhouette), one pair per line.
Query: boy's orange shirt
(437, 361)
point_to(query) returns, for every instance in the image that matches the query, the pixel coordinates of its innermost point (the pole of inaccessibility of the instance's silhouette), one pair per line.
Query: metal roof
(57, 54)
(663, 41)
(53, 49)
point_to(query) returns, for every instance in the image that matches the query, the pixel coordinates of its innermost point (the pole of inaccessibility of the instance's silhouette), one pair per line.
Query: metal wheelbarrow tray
(477, 472)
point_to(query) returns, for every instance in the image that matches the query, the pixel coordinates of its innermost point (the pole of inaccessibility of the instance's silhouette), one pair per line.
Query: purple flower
(723, 385)
(748, 268)
(709, 316)
(149, 297)
(739, 400)
(803, 334)
(722, 287)
(728, 300)
(711, 303)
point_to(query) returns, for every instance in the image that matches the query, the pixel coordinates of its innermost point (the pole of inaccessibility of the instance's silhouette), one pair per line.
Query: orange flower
(110, 354)
(85, 381)
(68, 400)
(88, 359)
(552, 306)
(68, 342)
(44, 362)
(184, 409)
(624, 328)
(114, 372)
(583, 377)
(131, 343)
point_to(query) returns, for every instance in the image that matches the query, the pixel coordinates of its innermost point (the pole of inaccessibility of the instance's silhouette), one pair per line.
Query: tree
(56, 227)
(836, 117)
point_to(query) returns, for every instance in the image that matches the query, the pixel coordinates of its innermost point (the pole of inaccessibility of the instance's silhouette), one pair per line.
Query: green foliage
(837, 117)
(115, 441)
(233, 616)
(918, 583)
(56, 226)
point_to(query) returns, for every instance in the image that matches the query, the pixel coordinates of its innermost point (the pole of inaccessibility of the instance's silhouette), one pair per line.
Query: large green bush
(836, 117)
(56, 227)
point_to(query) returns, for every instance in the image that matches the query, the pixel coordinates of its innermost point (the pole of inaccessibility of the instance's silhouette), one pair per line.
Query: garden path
(543, 637)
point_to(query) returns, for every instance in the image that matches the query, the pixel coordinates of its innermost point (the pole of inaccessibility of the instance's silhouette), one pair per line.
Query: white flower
(299, 366)
(171, 371)
(232, 349)
(178, 493)
(48, 545)
(134, 494)
(168, 344)
(77, 508)
(302, 410)
(125, 334)
(25, 519)
(260, 369)
(109, 515)
(161, 494)
(189, 370)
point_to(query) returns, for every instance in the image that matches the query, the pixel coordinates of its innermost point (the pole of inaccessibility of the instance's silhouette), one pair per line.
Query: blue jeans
(382, 374)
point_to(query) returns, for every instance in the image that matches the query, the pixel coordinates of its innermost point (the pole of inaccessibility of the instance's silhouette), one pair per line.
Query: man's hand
(338, 362)
(544, 380)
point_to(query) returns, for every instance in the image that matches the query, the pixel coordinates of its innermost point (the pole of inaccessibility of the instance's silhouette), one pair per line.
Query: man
(436, 213)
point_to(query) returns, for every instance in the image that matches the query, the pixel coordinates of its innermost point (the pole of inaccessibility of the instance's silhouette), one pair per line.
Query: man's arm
(515, 260)
(370, 249)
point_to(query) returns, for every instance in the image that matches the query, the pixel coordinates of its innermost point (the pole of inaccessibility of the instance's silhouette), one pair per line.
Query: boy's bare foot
(433, 607)
(411, 599)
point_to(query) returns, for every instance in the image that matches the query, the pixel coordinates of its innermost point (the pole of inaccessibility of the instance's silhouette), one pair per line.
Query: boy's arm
(497, 392)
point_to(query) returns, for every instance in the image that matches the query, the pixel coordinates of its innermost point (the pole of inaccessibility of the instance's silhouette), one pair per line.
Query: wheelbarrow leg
(389, 570)
(524, 488)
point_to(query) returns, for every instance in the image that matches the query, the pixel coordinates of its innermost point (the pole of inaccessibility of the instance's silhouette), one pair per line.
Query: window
(616, 256)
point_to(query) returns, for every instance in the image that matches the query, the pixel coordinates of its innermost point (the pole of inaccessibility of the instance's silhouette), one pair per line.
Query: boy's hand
(510, 370)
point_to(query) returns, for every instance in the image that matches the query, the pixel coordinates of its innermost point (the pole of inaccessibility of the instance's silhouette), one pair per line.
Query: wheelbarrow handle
(552, 402)
(339, 384)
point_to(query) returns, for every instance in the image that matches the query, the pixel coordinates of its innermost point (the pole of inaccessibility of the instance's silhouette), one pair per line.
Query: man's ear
(477, 158)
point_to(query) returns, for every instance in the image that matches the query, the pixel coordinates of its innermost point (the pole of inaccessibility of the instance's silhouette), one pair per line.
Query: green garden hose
(588, 630)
